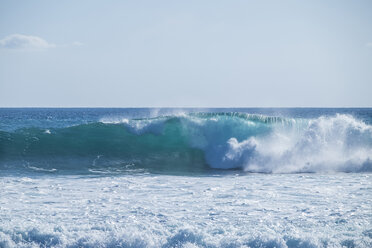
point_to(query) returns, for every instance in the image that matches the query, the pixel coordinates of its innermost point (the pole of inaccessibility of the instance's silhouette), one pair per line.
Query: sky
(185, 53)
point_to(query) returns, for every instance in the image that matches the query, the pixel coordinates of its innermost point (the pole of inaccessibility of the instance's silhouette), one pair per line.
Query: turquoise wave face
(193, 143)
(99, 147)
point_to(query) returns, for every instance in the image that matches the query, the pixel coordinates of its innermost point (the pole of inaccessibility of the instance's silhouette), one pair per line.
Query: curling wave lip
(195, 142)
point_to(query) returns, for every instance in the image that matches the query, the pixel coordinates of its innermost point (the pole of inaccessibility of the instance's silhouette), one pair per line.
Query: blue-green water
(185, 178)
(185, 140)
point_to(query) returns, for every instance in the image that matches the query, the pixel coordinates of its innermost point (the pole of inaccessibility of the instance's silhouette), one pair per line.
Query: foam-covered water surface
(255, 210)
(186, 178)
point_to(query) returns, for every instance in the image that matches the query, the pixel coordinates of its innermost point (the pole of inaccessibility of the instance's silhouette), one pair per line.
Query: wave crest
(194, 142)
(326, 144)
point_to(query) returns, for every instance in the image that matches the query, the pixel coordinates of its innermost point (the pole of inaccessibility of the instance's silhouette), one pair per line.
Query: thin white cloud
(29, 42)
(20, 41)
(369, 44)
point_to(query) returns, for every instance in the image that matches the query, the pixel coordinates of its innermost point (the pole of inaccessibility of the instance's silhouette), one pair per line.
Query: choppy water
(185, 178)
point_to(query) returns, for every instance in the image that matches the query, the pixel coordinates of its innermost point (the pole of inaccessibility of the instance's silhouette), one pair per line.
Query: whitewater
(185, 177)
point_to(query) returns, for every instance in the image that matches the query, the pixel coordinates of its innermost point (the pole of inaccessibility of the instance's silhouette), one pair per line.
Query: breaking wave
(194, 142)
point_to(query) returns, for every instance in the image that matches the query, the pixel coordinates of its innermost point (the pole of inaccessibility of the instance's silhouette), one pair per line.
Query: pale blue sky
(186, 53)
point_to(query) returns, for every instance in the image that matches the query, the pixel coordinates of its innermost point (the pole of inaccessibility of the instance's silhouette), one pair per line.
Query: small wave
(41, 169)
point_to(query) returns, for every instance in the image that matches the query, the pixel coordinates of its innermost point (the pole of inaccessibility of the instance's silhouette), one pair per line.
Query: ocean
(172, 177)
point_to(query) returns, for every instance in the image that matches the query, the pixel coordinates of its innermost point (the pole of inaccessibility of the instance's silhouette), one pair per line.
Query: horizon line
(201, 107)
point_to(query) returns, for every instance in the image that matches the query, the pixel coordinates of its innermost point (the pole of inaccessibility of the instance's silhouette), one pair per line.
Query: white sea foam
(326, 144)
(256, 210)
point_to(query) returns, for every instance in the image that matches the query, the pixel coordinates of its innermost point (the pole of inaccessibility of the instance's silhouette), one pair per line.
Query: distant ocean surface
(247, 177)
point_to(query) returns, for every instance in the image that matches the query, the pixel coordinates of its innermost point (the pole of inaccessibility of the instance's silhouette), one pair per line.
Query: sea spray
(195, 142)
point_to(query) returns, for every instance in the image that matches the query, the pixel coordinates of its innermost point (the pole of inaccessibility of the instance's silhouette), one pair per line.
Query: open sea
(145, 177)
